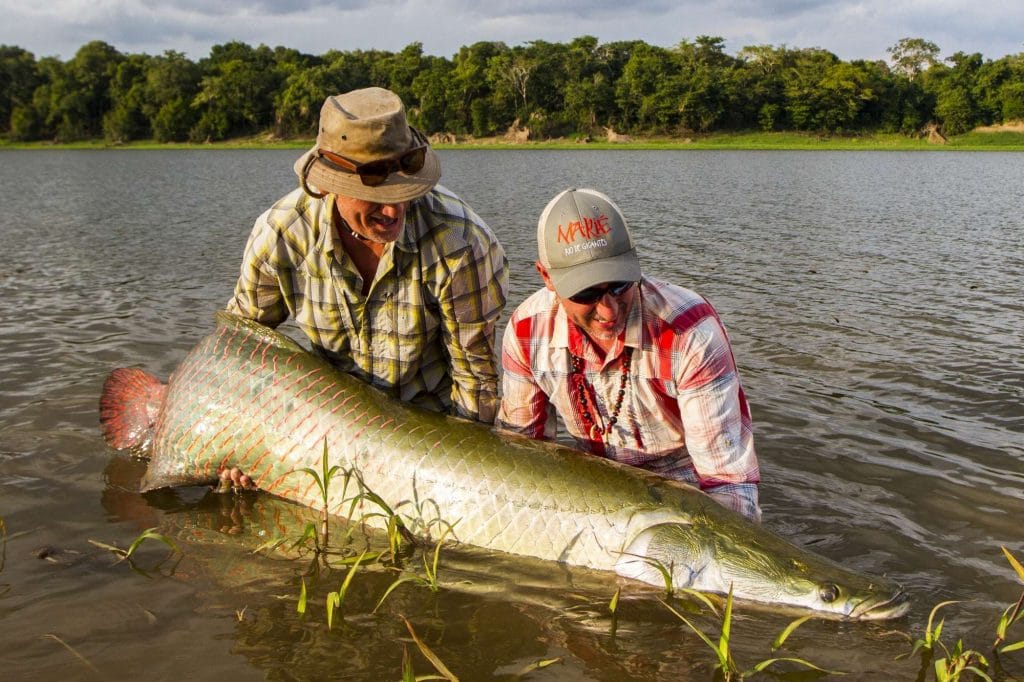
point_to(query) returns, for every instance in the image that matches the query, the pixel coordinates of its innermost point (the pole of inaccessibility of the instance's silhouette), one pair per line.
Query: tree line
(582, 87)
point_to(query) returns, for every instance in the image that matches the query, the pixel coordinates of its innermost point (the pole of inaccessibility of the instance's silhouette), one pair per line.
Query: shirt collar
(417, 225)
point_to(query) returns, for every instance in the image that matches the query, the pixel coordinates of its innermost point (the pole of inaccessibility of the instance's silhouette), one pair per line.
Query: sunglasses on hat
(594, 294)
(373, 173)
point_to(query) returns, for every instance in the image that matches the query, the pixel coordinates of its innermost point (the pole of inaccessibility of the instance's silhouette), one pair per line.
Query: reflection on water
(873, 300)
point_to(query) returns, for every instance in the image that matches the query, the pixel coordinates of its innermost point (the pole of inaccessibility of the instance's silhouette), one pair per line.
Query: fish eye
(828, 593)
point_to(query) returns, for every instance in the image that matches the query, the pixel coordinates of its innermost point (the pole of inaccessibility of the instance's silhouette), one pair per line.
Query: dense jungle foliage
(580, 88)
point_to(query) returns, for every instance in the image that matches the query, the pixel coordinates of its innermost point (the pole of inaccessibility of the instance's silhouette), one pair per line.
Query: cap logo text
(585, 228)
(585, 246)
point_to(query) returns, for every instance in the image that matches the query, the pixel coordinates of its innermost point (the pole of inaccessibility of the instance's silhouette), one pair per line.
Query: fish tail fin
(129, 407)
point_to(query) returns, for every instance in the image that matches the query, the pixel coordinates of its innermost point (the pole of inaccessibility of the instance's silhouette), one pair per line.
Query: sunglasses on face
(373, 173)
(592, 295)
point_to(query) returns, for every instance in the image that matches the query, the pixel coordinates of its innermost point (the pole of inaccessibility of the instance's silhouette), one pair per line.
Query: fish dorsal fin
(264, 333)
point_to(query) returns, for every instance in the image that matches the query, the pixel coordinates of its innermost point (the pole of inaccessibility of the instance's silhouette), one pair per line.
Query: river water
(874, 302)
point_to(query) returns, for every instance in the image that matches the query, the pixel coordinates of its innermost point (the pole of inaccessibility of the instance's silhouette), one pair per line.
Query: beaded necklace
(354, 233)
(587, 397)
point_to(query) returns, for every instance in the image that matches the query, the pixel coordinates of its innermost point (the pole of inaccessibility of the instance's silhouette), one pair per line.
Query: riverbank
(991, 138)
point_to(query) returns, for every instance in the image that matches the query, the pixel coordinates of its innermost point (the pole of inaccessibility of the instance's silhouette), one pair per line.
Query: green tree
(18, 80)
(760, 87)
(1012, 95)
(823, 93)
(396, 71)
(588, 93)
(236, 94)
(509, 74)
(471, 90)
(33, 120)
(432, 113)
(845, 92)
(297, 105)
(553, 67)
(78, 95)
(648, 92)
(911, 56)
(952, 87)
(705, 71)
(988, 89)
(172, 82)
(126, 120)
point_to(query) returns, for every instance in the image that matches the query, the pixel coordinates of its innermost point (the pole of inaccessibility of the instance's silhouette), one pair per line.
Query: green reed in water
(126, 555)
(430, 570)
(949, 664)
(407, 672)
(323, 479)
(726, 667)
(1012, 614)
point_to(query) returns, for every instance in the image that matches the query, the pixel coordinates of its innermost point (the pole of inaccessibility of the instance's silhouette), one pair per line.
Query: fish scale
(249, 397)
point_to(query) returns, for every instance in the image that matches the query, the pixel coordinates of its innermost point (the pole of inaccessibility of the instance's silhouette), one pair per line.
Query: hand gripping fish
(249, 397)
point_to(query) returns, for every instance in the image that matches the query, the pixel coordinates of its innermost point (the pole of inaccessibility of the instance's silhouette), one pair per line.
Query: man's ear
(542, 271)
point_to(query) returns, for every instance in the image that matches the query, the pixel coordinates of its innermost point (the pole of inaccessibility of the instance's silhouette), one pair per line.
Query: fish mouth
(869, 609)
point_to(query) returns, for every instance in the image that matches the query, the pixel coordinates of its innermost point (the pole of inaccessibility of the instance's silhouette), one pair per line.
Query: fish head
(758, 566)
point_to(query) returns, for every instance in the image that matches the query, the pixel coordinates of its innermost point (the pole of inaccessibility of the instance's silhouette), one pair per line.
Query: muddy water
(875, 308)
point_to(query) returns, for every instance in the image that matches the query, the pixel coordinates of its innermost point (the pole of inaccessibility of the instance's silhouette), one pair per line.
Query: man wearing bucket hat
(391, 276)
(639, 370)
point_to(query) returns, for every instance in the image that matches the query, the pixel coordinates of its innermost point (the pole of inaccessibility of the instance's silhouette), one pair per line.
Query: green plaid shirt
(425, 331)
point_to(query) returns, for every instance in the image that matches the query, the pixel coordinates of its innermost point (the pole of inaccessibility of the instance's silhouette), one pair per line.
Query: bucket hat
(365, 149)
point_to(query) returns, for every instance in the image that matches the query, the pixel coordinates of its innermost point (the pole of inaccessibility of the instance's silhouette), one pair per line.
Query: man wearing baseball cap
(391, 276)
(639, 370)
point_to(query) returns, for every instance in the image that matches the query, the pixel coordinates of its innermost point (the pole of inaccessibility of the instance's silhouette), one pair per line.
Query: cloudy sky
(852, 29)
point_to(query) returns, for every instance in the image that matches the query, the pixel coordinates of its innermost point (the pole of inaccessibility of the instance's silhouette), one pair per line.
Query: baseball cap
(583, 240)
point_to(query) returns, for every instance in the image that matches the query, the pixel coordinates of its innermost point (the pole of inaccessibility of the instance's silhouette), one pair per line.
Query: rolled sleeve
(259, 291)
(476, 295)
(524, 406)
(716, 420)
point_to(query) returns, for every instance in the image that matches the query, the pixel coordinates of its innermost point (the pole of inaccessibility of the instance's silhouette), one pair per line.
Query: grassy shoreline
(1011, 140)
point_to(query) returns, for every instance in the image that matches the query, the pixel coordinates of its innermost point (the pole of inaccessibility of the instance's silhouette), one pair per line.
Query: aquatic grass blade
(702, 597)
(394, 585)
(614, 603)
(407, 672)
(74, 652)
(760, 667)
(343, 590)
(723, 638)
(538, 665)
(150, 534)
(124, 554)
(301, 606)
(1016, 646)
(1014, 563)
(980, 673)
(270, 545)
(784, 635)
(432, 571)
(430, 655)
(333, 601)
(694, 628)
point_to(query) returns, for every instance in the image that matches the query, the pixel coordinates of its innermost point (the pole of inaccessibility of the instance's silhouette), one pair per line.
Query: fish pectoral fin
(662, 555)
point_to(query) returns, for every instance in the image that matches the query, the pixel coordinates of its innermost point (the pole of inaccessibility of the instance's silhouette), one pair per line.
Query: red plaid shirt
(683, 412)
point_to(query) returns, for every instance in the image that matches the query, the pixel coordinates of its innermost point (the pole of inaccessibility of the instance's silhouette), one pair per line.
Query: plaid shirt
(683, 413)
(425, 331)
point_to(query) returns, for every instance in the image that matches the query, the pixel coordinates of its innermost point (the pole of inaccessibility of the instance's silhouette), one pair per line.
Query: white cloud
(852, 29)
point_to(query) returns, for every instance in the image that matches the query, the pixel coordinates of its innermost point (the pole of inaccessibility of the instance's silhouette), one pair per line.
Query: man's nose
(608, 303)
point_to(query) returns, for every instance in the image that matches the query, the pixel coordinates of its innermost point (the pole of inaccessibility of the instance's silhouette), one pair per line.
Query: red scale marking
(287, 454)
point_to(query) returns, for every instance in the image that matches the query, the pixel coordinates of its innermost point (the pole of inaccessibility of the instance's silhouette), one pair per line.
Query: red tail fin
(129, 406)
